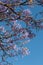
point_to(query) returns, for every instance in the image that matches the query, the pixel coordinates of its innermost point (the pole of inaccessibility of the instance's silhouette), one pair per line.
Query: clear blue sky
(36, 55)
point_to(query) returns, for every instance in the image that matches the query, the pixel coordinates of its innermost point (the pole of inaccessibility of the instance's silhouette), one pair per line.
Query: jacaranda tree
(17, 27)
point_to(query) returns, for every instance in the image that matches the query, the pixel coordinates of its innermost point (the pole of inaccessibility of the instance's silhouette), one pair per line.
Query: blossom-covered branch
(16, 27)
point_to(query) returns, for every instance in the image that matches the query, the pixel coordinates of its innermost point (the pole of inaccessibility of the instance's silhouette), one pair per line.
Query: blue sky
(36, 52)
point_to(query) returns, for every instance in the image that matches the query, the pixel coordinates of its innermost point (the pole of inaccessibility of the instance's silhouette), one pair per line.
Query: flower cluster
(17, 27)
